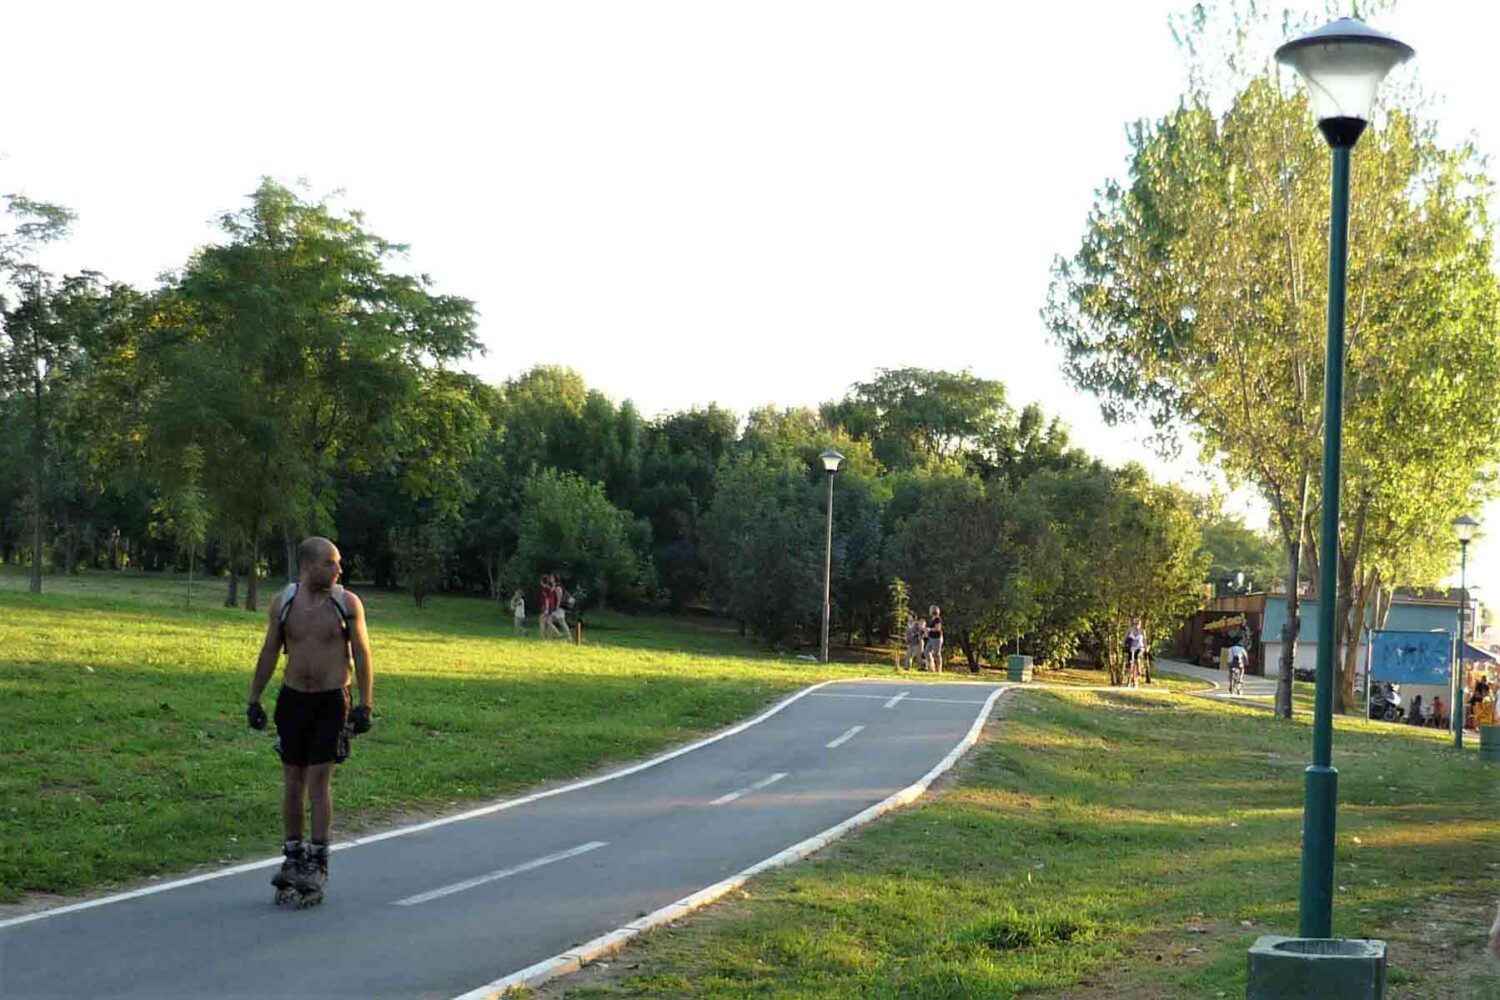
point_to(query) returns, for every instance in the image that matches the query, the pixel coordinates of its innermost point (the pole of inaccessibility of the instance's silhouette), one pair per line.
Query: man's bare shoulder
(351, 599)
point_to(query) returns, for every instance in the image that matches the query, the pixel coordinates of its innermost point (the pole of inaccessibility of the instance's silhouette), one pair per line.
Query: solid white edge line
(493, 807)
(498, 874)
(893, 701)
(839, 741)
(575, 958)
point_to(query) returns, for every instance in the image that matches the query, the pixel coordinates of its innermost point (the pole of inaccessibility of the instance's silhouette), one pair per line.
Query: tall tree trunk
(1351, 608)
(74, 544)
(251, 576)
(37, 468)
(1291, 629)
(966, 643)
(232, 595)
(291, 551)
(1344, 693)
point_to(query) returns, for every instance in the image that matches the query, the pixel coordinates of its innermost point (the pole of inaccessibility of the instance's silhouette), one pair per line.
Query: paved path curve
(443, 909)
(1255, 687)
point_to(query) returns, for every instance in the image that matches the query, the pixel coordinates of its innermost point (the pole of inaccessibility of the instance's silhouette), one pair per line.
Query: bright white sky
(688, 202)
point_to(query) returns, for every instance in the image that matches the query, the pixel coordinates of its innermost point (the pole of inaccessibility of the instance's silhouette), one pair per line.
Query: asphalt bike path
(445, 910)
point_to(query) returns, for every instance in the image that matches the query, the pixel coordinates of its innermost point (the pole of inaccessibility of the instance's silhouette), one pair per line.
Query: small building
(1257, 619)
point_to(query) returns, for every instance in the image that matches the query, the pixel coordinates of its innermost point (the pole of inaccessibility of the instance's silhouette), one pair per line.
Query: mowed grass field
(124, 750)
(1115, 844)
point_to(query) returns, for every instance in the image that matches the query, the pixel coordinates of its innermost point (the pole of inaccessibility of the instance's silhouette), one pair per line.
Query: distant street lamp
(1464, 528)
(1342, 65)
(831, 462)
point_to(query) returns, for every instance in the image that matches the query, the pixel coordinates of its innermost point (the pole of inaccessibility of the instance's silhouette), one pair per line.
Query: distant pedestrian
(916, 639)
(1135, 651)
(518, 609)
(1414, 714)
(545, 622)
(934, 647)
(1439, 716)
(563, 603)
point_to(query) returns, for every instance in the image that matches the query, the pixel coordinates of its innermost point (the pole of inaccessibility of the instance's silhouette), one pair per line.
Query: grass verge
(126, 754)
(1106, 844)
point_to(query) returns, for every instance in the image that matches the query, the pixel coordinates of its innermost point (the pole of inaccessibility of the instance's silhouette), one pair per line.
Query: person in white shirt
(1239, 658)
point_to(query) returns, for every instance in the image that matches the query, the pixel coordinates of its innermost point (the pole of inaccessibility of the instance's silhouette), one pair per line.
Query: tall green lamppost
(1463, 527)
(831, 462)
(1342, 64)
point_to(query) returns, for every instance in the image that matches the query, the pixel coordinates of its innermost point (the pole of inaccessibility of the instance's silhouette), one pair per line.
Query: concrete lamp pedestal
(1019, 667)
(1287, 968)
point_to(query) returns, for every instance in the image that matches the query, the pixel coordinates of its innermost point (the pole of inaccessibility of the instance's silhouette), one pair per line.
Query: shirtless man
(322, 628)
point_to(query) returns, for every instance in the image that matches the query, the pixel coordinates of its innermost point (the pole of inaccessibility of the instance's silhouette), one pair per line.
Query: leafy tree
(182, 511)
(317, 351)
(33, 346)
(568, 526)
(1235, 551)
(763, 541)
(917, 418)
(963, 548)
(1198, 297)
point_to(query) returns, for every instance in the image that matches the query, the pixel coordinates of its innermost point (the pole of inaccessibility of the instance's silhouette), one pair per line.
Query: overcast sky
(687, 202)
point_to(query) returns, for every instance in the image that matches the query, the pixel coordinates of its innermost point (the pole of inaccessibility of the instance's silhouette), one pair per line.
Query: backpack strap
(287, 596)
(340, 608)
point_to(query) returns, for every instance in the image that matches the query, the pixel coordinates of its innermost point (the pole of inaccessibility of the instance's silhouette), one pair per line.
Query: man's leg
(319, 793)
(294, 788)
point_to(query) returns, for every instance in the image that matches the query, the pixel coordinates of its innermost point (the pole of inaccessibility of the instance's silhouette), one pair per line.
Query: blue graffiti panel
(1412, 657)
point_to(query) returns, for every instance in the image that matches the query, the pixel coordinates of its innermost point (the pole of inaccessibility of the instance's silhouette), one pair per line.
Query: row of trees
(1199, 294)
(290, 379)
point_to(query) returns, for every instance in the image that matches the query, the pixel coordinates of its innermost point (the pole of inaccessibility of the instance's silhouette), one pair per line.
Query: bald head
(318, 561)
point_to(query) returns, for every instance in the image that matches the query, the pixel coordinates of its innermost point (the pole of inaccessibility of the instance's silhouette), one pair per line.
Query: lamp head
(1343, 64)
(1464, 527)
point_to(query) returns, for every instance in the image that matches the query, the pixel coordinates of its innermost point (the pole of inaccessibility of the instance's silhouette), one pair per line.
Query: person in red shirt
(551, 606)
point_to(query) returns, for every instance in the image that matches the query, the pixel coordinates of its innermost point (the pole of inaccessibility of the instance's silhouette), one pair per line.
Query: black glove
(359, 720)
(255, 715)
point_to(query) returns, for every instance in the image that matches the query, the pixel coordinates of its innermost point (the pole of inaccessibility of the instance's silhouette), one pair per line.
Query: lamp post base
(1288, 968)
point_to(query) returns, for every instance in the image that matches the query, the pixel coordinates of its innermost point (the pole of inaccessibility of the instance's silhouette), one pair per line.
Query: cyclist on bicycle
(1239, 658)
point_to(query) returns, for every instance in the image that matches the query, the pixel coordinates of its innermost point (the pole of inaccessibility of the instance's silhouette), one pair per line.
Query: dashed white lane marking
(892, 702)
(881, 697)
(845, 738)
(762, 783)
(494, 876)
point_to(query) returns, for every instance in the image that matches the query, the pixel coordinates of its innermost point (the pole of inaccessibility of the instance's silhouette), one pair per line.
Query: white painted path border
(493, 807)
(575, 958)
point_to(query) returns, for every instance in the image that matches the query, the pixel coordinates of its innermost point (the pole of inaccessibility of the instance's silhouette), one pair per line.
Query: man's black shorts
(311, 726)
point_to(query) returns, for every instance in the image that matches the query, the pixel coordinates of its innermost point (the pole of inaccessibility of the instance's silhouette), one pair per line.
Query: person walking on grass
(916, 639)
(321, 626)
(1135, 652)
(934, 648)
(545, 622)
(518, 609)
(562, 602)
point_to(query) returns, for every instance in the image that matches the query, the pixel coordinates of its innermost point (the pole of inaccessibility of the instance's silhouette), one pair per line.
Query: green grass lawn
(126, 752)
(1106, 844)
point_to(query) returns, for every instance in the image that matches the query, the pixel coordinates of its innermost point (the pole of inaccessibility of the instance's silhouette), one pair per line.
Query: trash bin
(1019, 667)
(1489, 744)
